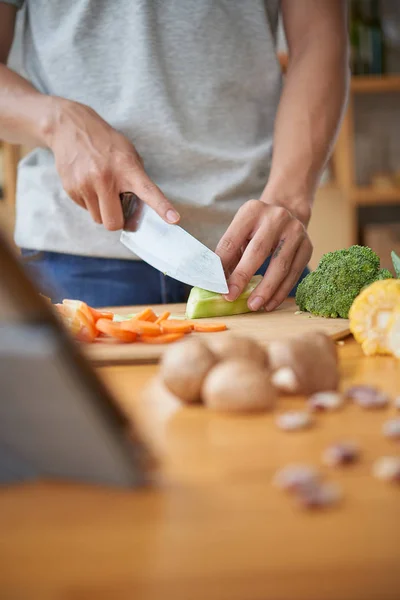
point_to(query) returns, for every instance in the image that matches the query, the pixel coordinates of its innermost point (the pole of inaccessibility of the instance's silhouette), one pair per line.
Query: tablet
(57, 420)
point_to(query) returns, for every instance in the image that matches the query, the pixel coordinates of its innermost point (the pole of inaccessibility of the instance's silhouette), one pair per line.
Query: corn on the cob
(394, 332)
(372, 316)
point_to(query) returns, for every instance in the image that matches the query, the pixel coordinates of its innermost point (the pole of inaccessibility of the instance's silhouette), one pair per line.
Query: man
(177, 101)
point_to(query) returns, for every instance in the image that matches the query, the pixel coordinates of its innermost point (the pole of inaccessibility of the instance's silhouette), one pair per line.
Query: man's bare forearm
(26, 115)
(308, 119)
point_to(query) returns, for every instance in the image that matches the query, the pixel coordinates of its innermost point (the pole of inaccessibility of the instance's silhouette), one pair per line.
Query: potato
(183, 368)
(238, 385)
(304, 365)
(230, 346)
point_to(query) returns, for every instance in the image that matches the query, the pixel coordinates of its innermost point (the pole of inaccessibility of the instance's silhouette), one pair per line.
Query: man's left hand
(260, 230)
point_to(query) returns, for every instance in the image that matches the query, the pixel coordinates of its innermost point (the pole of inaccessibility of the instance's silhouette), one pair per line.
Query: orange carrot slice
(114, 330)
(72, 324)
(78, 319)
(84, 335)
(73, 305)
(176, 326)
(79, 326)
(146, 315)
(166, 338)
(152, 318)
(89, 331)
(209, 327)
(61, 309)
(140, 327)
(163, 317)
(98, 314)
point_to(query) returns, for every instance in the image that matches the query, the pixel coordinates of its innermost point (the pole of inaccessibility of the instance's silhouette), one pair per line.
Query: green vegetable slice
(203, 304)
(120, 318)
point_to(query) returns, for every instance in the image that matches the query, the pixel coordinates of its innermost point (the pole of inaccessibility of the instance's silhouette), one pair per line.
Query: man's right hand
(96, 164)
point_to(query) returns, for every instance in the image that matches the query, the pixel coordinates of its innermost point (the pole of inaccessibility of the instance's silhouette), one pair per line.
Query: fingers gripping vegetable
(236, 347)
(184, 368)
(341, 275)
(304, 365)
(202, 304)
(238, 386)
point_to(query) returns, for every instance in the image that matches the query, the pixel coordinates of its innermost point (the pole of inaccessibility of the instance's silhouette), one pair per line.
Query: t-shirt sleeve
(18, 3)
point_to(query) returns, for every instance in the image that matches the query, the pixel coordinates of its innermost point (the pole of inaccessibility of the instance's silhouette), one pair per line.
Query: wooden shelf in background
(375, 84)
(343, 156)
(375, 195)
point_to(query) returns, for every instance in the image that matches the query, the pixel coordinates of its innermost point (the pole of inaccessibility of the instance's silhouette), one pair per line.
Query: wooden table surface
(214, 527)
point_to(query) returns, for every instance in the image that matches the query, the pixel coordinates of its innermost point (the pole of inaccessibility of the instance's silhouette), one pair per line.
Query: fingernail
(172, 216)
(233, 293)
(256, 303)
(271, 306)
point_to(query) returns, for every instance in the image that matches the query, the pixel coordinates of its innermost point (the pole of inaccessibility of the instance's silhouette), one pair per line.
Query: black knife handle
(129, 203)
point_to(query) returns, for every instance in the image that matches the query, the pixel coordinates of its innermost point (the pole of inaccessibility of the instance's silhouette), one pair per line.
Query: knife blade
(169, 248)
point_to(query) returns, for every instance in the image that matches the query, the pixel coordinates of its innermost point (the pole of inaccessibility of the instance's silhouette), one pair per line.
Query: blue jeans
(105, 281)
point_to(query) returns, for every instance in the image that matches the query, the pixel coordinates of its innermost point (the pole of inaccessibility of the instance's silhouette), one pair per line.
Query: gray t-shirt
(194, 84)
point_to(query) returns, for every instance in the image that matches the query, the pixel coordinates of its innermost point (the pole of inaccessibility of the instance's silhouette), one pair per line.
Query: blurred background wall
(359, 197)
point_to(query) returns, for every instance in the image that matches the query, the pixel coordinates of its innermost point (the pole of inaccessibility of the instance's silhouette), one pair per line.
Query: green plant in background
(396, 264)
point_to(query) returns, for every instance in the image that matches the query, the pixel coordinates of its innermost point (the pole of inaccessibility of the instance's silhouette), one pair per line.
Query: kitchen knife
(169, 248)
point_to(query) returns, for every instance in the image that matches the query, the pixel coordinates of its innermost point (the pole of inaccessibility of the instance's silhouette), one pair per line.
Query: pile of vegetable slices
(88, 324)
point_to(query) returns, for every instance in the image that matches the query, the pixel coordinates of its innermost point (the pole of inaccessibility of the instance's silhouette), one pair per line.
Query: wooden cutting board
(263, 327)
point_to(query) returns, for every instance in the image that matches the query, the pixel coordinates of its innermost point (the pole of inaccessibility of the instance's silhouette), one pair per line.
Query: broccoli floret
(330, 290)
(384, 274)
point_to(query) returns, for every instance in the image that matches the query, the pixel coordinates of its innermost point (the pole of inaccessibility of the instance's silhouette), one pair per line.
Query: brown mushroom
(238, 386)
(230, 346)
(184, 367)
(304, 365)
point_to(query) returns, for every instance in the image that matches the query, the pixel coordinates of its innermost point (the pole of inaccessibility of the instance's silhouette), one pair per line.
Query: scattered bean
(340, 343)
(368, 397)
(391, 429)
(325, 401)
(387, 468)
(294, 420)
(292, 477)
(343, 453)
(304, 482)
(321, 495)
